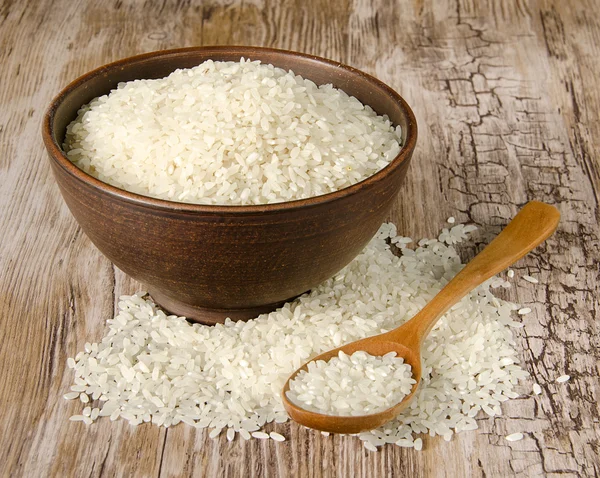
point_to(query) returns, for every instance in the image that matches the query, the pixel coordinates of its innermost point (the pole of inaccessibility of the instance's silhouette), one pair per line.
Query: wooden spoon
(531, 226)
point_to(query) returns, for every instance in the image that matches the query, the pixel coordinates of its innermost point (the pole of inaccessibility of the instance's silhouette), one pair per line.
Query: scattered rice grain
(230, 375)
(276, 436)
(369, 446)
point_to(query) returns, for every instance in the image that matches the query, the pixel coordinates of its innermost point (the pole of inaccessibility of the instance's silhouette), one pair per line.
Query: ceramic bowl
(209, 262)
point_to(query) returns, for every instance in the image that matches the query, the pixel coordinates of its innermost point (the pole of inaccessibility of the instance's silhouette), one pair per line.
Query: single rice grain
(276, 436)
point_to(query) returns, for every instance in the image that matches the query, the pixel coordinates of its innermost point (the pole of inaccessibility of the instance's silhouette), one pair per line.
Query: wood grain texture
(506, 97)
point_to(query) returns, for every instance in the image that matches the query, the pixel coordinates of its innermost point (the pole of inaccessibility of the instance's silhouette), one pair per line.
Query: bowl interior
(160, 64)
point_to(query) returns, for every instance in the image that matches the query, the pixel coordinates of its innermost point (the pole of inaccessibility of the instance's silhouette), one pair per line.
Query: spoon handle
(530, 227)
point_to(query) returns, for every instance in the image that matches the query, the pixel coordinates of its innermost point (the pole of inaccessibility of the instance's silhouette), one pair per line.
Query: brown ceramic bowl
(212, 262)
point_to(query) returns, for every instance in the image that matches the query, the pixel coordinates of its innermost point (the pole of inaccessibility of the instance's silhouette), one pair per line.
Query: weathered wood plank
(506, 98)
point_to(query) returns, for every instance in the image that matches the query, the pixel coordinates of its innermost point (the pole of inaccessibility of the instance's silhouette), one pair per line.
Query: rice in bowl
(230, 133)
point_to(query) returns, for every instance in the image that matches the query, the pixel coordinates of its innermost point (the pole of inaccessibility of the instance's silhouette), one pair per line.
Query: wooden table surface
(506, 95)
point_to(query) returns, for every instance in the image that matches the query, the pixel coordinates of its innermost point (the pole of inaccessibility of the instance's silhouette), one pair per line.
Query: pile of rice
(230, 133)
(155, 368)
(353, 385)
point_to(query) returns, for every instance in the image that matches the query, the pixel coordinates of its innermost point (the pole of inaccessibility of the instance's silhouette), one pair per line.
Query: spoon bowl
(378, 346)
(530, 227)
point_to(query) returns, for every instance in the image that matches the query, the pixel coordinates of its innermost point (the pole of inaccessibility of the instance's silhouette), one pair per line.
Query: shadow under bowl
(209, 262)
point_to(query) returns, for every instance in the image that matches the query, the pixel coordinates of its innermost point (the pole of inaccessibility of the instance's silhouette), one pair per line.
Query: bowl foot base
(209, 316)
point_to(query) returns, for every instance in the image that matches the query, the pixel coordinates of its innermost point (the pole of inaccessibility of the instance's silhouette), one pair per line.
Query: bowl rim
(57, 154)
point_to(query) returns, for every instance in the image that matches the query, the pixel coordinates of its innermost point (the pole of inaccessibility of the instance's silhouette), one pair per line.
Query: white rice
(514, 437)
(276, 436)
(81, 418)
(231, 375)
(531, 279)
(405, 442)
(563, 378)
(230, 133)
(369, 446)
(352, 385)
(537, 389)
